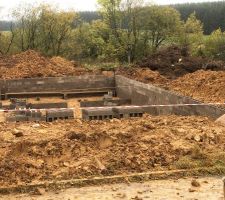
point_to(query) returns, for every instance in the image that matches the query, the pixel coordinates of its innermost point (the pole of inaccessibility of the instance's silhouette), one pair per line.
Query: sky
(78, 5)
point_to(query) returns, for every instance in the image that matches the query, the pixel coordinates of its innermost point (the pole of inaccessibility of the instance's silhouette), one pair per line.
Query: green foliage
(211, 14)
(125, 31)
(214, 45)
(192, 34)
(43, 28)
(158, 24)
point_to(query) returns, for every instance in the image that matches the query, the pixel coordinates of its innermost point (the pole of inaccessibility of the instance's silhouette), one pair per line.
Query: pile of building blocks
(102, 113)
(25, 115)
(21, 111)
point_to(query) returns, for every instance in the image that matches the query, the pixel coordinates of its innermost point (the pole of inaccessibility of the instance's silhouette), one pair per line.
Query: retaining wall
(147, 94)
(56, 84)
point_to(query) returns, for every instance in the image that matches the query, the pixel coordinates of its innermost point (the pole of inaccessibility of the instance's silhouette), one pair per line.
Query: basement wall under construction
(147, 94)
(57, 86)
(125, 88)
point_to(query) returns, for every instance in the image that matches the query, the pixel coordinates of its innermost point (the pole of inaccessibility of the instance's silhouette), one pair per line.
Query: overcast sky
(7, 5)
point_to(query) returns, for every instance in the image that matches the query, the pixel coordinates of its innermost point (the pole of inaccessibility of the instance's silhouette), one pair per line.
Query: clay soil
(31, 64)
(78, 149)
(174, 69)
(144, 75)
(206, 86)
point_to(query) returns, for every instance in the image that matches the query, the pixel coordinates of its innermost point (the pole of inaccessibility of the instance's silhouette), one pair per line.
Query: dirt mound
(59, 61)
(173, 62)
(31, 64)
(78, 149)
(207, 86)
(144, 75)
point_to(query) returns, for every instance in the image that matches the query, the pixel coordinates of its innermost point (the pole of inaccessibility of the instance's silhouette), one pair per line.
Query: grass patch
(201, 159)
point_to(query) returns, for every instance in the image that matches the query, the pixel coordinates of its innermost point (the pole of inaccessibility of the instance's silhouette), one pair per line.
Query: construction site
(64, 127)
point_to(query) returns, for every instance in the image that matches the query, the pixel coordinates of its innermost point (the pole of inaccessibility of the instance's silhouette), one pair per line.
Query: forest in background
(211, 15)
(121, 31)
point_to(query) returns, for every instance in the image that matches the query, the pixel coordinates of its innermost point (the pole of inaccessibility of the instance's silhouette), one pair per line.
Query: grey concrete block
(52, 115)
(97, 113)
(126, 112)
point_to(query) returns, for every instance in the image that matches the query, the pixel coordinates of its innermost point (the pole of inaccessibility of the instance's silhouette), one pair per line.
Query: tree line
(211, 14)
(122, 31)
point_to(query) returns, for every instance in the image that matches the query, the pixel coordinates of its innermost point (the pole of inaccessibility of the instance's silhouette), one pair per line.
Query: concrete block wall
(101, 103)
(147, 94)
(56, 84)
(48, 105)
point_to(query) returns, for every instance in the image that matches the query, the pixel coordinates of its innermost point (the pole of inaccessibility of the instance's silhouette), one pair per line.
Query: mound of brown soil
(144, 75)
(207, 86)
(78, 149)
(31, 64)
(173, 62)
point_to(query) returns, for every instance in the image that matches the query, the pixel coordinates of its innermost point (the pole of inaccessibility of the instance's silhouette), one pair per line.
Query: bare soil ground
(79, 149)
(210, 188)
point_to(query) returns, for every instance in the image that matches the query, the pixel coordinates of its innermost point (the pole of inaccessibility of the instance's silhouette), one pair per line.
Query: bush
(214, 45)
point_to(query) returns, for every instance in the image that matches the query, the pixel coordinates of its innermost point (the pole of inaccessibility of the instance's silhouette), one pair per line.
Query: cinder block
(129, 111)
(97, 113)
(52, 115)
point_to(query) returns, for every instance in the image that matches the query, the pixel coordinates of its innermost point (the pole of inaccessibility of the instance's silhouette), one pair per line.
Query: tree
(192, 35)
(27, 22)
(6, 39)
(214, 45)
(43, 28)
(55, 29)
(121, 18)
(158, 24)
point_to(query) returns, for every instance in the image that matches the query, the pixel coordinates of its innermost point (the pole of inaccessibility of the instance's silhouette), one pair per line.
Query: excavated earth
(171, 68)
(174, 69)
(173, 62)
(30, 153)
(31, 64)
(206, 86)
